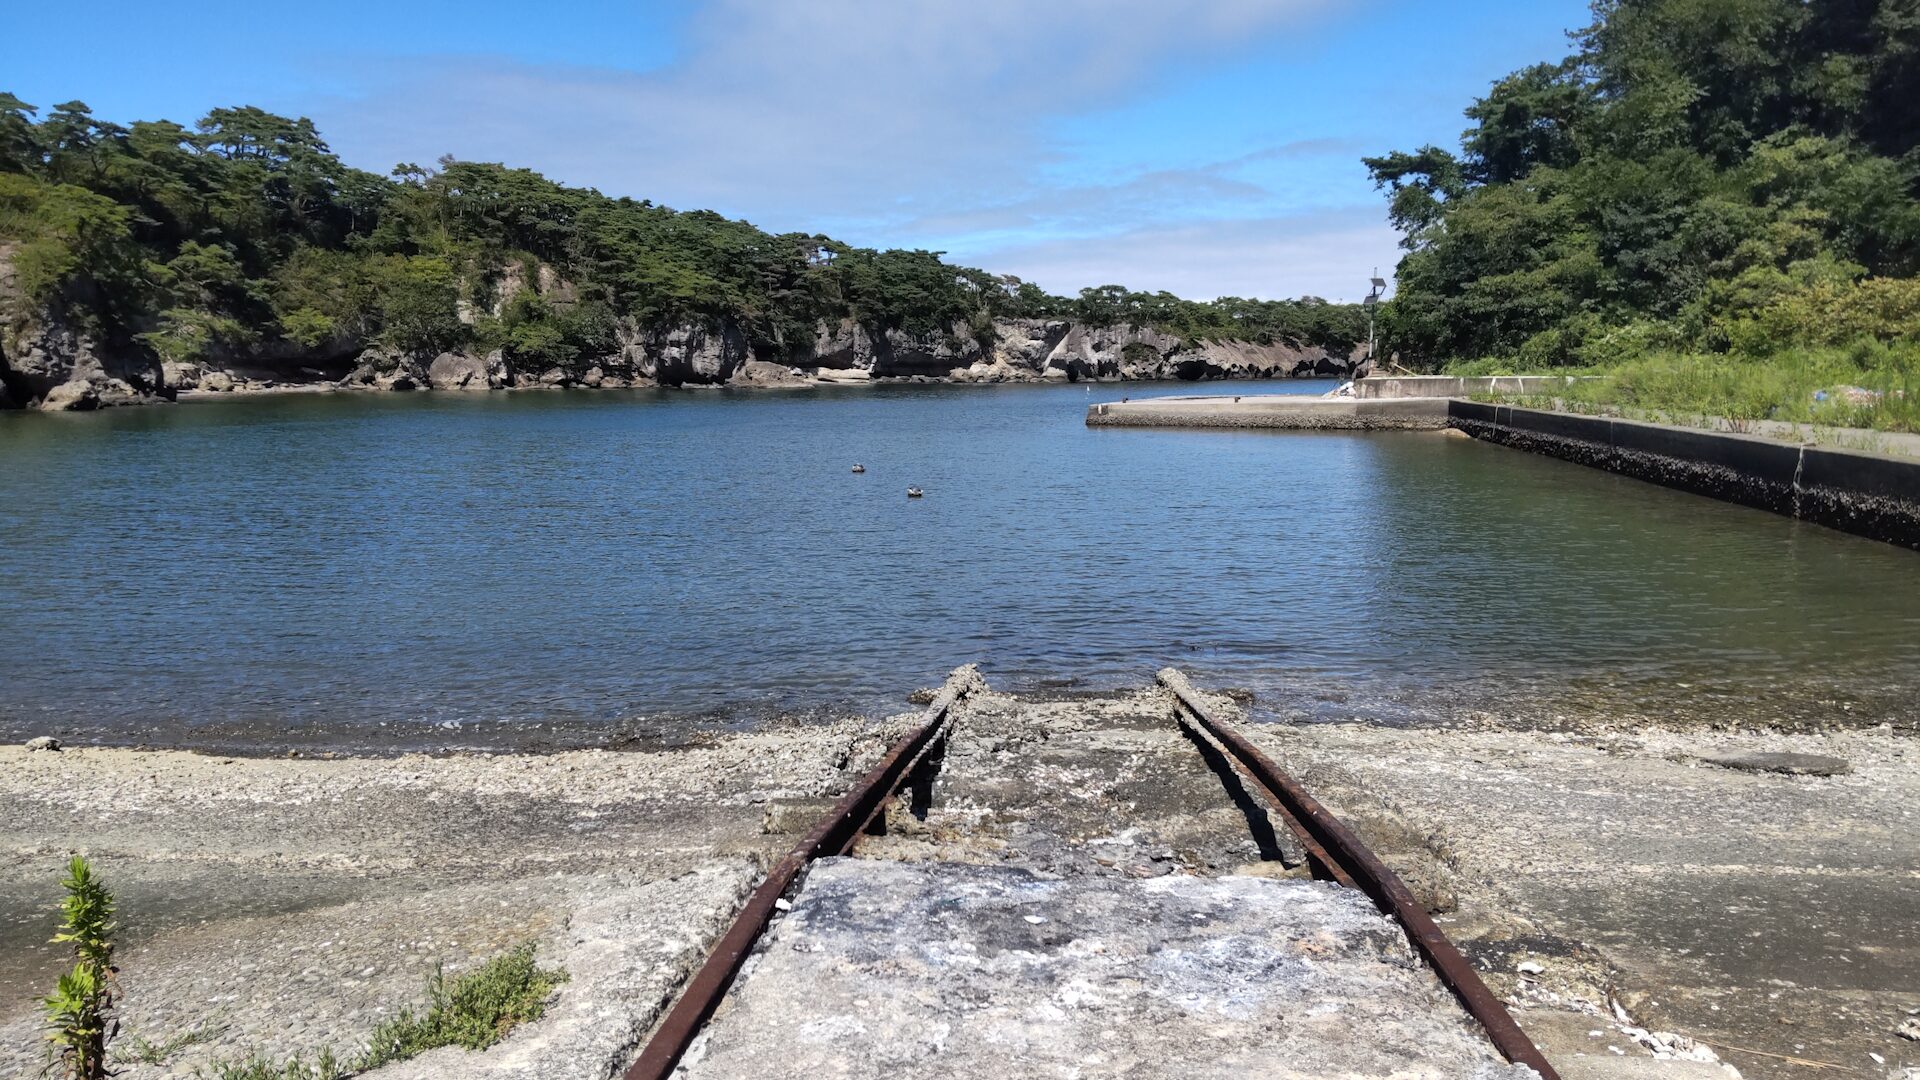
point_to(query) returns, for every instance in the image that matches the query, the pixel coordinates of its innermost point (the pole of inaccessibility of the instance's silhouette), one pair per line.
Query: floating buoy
(859, 468)
(914, 493)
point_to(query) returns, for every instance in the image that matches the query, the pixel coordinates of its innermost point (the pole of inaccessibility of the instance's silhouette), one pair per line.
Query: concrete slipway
(1078, 895)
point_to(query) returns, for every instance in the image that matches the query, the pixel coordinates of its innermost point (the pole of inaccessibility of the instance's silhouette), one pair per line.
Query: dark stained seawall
(1870, 495)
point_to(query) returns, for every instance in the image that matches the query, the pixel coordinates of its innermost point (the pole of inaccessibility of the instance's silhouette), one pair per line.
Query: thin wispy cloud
(908, 123)
(1329, 254)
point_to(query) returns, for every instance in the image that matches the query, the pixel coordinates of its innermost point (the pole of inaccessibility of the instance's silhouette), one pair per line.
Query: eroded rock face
(1029, 343)
(899, 353)
(76, 396)
(45, 360)
(383, 368)
(1133, 352)
(843, 346)
(465, 371)
(695, 354)
(766, 374)
(690, 354)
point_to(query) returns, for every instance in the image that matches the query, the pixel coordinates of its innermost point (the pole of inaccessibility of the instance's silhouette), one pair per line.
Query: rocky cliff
(49, 360)
(47, 363)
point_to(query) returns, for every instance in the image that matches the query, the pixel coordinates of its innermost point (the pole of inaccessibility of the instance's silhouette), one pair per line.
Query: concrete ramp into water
(888, 969)
(1079, 892)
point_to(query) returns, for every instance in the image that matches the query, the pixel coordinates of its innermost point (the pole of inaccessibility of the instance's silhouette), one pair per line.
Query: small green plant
(141, 1050)
(80, 1011)
(260, 1067)
(474, 1010)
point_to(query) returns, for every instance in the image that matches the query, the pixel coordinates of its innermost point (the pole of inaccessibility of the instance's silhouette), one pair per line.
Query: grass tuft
(474, 1010)
(140, 1050)
(259, 1067)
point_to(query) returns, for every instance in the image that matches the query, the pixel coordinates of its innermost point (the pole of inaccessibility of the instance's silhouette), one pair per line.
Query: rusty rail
(836, 834)
(1327, 838)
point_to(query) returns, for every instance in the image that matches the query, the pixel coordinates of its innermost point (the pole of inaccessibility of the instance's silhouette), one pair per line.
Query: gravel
(282, 905)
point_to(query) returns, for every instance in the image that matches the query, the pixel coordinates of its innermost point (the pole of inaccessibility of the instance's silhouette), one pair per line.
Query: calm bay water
(313, 568)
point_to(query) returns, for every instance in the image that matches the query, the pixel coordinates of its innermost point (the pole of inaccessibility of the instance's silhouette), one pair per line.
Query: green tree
(1686, 146)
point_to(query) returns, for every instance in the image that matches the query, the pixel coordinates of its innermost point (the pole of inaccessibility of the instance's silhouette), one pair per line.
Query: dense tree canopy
(1699, 174)
(246, 232)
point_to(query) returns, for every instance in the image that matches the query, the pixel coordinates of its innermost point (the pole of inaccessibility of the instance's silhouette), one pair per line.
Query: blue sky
(1207, 148)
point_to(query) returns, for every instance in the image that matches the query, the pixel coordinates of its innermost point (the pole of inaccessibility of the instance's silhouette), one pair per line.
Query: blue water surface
(520, 561)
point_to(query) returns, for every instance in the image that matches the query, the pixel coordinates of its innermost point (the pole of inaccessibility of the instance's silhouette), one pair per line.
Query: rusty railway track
(1341, 856)
(1334, 853)
(836, 834)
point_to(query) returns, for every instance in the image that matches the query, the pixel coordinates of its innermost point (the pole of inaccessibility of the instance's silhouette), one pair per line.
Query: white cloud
(883, 121)
(1327, 255)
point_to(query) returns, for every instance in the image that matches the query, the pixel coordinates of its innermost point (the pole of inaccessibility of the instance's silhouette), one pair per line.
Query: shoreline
(291, 903)
(244, 391)
(1565, 703)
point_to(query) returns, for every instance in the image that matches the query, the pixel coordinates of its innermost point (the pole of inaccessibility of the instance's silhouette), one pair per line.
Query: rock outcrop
(465, 371)
(763, 373)
(387, 369)
(48, 364)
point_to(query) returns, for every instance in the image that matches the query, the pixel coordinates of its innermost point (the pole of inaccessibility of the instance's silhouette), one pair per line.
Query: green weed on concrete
(259, 1067)
(474, 1010)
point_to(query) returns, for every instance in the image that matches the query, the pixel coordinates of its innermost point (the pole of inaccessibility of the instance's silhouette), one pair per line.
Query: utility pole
(1379, 288)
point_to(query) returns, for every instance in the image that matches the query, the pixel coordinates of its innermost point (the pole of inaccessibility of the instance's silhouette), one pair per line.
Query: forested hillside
(1732, 180)
(246, 238)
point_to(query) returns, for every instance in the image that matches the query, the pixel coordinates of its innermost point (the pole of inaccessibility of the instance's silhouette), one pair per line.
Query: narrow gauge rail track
(1334, 853)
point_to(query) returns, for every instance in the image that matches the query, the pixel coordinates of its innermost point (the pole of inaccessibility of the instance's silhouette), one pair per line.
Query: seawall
(1446, 386)
(1867, 494)
(1274, 411)
(1870, 495)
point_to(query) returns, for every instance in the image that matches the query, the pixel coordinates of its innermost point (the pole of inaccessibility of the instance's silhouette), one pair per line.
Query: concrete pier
(1868, 494)
(1274, 411)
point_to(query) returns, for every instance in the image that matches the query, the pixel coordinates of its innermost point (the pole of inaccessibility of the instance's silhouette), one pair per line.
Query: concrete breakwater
(1871, 495)
(1277, 412)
